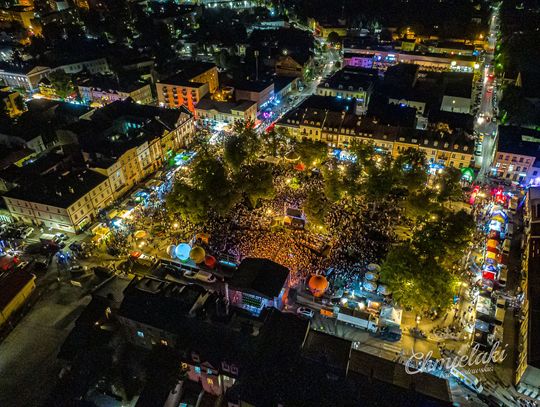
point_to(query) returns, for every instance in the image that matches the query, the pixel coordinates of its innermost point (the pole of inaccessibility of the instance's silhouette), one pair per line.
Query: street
(485, 121)
(29, 354)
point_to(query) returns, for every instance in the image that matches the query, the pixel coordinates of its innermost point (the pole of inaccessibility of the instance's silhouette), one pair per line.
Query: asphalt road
(484, 124)
(28, 356)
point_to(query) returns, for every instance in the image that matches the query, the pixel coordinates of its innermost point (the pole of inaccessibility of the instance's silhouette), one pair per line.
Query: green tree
(381, 180)
(62, 83)
(411, 166)
(275, 141)
(333, 186)
(364, 153)
(311, 152)
(418, 284)
(208, 191)
(448, 185)
(235, 152)
(334, 38)
(419, 204)
(316, 207)
(242, 146)
(257, 182)
(352, 178)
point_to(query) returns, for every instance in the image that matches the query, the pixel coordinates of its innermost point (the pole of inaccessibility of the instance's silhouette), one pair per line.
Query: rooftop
(519, 140)
(123, 83)
(458, 84)
(224, 107)
(252, 86)
(281, 82)
(260, 276)
(393, 373)
(11, 284)
(533, 294)
(200, 320)
(185, 71)
(351, 78)
(122, 125)
(328, 350)
(56, 189)
(352, 125)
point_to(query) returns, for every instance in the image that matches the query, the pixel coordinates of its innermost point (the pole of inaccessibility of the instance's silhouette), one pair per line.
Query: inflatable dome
(182, 251)
(372, 276)
(210, 261)
(370, 286)
(317, 285)
(197, 254)
(373, 267)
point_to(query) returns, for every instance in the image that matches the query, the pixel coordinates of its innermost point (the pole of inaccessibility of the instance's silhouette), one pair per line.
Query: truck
(358, 319)
(467, 379)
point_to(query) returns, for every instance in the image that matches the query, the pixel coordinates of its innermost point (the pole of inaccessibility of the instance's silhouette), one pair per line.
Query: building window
(197, 370)
(140, 334)
(210, 381)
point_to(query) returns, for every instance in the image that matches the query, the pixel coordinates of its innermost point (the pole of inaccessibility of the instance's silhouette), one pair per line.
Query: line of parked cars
(15, 231)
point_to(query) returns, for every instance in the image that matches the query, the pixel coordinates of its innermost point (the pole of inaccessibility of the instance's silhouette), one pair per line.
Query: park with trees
(418, 233)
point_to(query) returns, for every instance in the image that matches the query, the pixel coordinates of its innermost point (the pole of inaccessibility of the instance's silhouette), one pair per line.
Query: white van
(499, 316)
(506, 246)
(502, 277)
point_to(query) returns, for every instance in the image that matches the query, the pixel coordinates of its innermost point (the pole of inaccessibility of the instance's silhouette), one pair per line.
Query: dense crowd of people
(355, 236)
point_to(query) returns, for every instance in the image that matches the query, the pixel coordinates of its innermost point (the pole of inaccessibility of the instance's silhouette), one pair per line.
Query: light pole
(256, 53)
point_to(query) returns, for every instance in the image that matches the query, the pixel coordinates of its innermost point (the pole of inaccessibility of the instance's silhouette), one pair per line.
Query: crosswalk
(392, 347)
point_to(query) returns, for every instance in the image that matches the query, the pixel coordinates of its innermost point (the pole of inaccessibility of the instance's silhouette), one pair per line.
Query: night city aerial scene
(269, 203)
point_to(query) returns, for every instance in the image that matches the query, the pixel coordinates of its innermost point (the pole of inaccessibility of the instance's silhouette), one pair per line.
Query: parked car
(76, 246)
(77, 269)
(27, 232)
(61, 236)
(205, 276)
(305, 312)
(191, 274)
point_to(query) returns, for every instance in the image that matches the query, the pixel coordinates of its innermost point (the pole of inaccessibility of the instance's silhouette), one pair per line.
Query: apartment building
(102, 90)
(381, 56)
(189, 86)
(93, 66)
(527, 364)
(127, 141)
(66, 201)
(25, 78)
(350, 82)
(226, 112)
(517, 150)
(340, 129)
